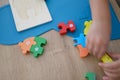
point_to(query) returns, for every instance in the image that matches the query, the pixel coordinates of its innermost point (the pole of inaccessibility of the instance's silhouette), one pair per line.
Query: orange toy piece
(26, 45)
(83, 51)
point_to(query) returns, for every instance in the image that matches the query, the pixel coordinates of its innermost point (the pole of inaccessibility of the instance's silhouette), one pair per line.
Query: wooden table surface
(60, 60)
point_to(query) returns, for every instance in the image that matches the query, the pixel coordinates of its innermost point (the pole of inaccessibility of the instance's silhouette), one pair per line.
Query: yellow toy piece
(106, 58)
(87, 25)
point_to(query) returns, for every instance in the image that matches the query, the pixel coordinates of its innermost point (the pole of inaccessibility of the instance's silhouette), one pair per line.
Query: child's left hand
(112, 70)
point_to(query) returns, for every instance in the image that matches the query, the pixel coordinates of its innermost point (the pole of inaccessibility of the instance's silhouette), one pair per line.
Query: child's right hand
(98, 37)
(112, 70)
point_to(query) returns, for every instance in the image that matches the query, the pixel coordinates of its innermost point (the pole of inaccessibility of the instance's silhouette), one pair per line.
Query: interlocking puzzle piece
(65, 27)
(40, 41)
(26, 45)
(71, 26)
(38, 49)
(83, 51)
(87, 25)
(90, 76)
(81, 40)
(106, 58)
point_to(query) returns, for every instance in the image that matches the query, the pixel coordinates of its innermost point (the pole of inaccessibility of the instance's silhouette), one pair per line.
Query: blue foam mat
(61, 11)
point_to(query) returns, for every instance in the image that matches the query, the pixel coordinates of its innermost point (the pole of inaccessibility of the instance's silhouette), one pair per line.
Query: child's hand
(98, 37)
(112, 70)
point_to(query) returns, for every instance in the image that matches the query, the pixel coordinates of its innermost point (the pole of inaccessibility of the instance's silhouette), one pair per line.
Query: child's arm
(99, 33)
(100, 10)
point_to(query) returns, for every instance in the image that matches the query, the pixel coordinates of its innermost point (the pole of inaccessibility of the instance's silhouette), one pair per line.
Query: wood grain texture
(60, 61)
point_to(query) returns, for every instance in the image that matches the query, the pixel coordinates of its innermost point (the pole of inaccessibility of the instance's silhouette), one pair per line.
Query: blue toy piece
(81, 40)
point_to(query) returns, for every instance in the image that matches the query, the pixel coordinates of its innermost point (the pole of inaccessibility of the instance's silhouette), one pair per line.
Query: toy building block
(87, 25)
(40, 41)
(64, 28)
(38, 49)
(81, 40)
(26, 45)
(83, 51)
(106, 58)
(71, 26)
(33, 45)
(90, 76)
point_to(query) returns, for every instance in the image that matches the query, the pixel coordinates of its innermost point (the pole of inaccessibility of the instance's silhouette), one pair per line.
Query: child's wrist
(102, 20)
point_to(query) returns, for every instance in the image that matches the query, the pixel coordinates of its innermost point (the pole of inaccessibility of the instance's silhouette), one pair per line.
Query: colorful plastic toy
(81, 40)
(106, 58)
(26, 45)
(83, 51)
(40, 41)
(38, 49)
(90, 76)
(65, 27)
(87, 25)
(33, 45)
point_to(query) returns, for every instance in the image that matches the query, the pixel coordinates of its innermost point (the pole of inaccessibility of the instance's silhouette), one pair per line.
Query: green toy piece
(38, 49)
(90, 76)
(40, 41)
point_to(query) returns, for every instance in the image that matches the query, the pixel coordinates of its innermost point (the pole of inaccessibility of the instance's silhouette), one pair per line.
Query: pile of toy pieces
(35, 45)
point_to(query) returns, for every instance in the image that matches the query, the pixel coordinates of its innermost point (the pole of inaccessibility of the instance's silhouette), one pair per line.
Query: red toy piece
(65, 27)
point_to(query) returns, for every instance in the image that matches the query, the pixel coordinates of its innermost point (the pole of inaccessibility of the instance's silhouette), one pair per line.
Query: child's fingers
(107, 78)
(101, 52)
(97, 48)
(111, 71)
(94, 47)
(111, 76)
(109, 66)
(115, 55)
(89, 45)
